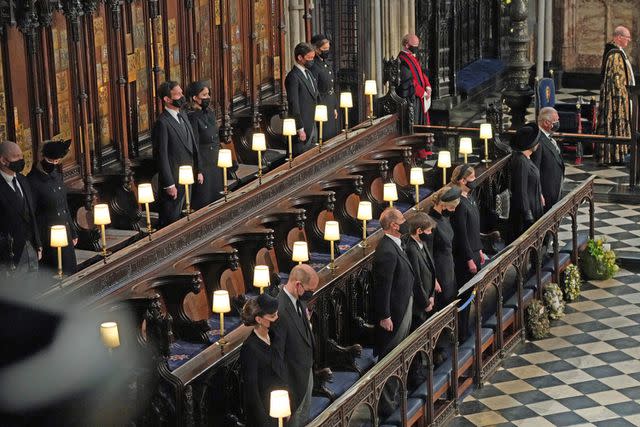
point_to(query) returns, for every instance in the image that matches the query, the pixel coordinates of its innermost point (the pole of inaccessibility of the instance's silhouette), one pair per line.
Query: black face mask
(47, 167)
(204, 103)
(471, 185)
(307, 64)
(324, 54)
(180, 102)
(446, 213)
(16, 166)
(306, 296)
(404, 228)
(413, 49)
(427, 238)
(555, 126)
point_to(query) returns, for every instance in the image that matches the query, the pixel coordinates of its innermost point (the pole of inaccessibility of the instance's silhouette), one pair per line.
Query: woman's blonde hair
(436, 197)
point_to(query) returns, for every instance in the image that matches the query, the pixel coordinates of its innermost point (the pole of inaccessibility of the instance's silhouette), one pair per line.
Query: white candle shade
(224, 158)
(300, 252)
(365, 211)
(390, 192)
(109, 334)
(346, 101)
(279, 406)
(59, 236)
(289, 127)
(370, 87)
(258, 142)
(416, 176)
(444, 159)
(185, 175)
(145, 193)
(221, 303)
(321, 113)
(101, 214)
(466, 146)
(332, 231)
(485, 131)
(261, 276)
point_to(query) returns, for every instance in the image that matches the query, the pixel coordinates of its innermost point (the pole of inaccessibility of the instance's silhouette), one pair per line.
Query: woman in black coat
(321, 70)
(527, 201)
(467, 246)
(51, 207)
(445, 201)
(205, 130)
(257, 361)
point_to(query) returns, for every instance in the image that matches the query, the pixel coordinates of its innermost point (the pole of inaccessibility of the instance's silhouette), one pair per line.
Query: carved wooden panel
(265, 32)
(138, 70)
(238, 71)
(204, 36)
(3, 100)
(63, 88)
(102, 124)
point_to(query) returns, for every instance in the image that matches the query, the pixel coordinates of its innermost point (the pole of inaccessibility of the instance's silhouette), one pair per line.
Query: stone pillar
(518, 94)
(548, 33)
(540, 39)
(377, 37)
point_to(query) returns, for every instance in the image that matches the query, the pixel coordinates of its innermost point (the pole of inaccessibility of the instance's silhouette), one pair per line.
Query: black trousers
(170, 210)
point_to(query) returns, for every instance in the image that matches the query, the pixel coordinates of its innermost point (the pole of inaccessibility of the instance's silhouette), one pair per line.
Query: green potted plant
(598, 261)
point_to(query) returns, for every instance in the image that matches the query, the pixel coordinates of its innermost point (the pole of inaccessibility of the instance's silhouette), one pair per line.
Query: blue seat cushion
(507, 314)
(372, 226)
(230, 323)
(583, 238)
(318, 404)
(284, 277)
(564, 259)
(527, 295)
(402, 207)
(440, 379)
(464, 354)
(414, 404)
(477, 73)
(545, 277)
(182, 351)
(319, 260)
(424, 192)
(485, 335)
(341, 381)
(347, 242)
(366, 360)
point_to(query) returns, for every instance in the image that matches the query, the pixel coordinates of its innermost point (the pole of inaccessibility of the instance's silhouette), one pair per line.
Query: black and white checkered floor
(586, 373)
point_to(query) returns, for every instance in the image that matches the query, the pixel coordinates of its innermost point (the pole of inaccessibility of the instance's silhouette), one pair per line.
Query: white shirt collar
(173, 113)
(301, 68)
(547, 134)
(7, 177)
(395, 239)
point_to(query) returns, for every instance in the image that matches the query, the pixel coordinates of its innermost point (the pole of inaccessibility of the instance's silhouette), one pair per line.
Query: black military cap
(56, 149)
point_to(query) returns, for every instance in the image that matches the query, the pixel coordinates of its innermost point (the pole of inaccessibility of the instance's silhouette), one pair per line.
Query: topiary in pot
(597, 262)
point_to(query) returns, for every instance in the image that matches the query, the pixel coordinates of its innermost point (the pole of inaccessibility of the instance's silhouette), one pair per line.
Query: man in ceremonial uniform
(614, 112)
(414, 83)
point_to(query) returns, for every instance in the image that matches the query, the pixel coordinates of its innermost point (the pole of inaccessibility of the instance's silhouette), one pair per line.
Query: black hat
(267, 304)
(527, 137)
(56, 149)
(451, 194)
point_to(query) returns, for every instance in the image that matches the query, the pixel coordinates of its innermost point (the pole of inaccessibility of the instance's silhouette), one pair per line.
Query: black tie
(17, 189)
(308, 75)
(300, 309)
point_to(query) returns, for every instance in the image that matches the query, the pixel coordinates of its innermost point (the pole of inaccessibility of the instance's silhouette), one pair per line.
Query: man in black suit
(174, 145)
(548, 157)
(293, 341)
(20, 245)
(393, 280)
(418, 248)
(303, 95)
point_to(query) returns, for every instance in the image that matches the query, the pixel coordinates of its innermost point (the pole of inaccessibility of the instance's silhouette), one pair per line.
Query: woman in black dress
(467, 246)
(527, 201)
(322, 71)
(444, 203)
(257, 361)
(205, 130)
(51, 207)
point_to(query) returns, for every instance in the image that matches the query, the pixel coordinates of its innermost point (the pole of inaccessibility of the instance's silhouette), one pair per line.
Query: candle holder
(221, 305)
(332, 234)
(390, 193)
(279, 406)
(370, 89)
(321, 116)
(261, 277)
(416, 177)
(185, 177)
(289, 130)
(145, 196)
(486, 133)
(101, 217)
(225, 161)
(259, 144)
(346, 102)
(59, 240)
(109, 335)
(364, 214)
(444, 162)
(300, 252)
(466, 147)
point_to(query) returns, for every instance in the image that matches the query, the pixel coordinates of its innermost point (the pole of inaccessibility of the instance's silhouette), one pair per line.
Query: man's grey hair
(546, 113)
(621, 31)
(7, 148)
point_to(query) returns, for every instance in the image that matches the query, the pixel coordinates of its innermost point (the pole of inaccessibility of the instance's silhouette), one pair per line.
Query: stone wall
(582, 27)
